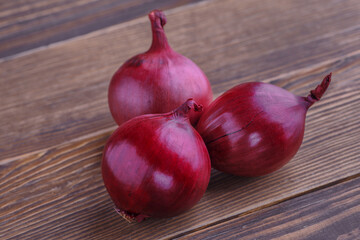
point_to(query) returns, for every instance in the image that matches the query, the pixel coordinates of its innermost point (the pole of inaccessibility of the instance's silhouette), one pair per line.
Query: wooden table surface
(56, 61)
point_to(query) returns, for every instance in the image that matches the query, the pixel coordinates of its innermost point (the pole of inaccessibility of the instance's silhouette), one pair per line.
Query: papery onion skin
(156, 81)
(156, 165)
(255, 128)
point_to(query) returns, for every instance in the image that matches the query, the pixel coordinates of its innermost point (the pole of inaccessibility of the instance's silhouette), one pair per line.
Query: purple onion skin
(156, 165)
(157, 81)
(256, 128)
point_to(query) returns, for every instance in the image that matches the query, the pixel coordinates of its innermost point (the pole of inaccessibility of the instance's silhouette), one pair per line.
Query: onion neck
(316, 94)
(159, 40)
(184, 110)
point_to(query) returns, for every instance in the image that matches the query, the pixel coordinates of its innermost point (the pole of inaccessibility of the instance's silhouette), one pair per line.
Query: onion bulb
(255, 128)
(156, 81)
(156, 165)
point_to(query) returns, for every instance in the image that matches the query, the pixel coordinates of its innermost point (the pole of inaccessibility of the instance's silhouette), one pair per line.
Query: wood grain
(55, 120)
(232, 42)
(59, 191)
(38, 23)
(332, 213)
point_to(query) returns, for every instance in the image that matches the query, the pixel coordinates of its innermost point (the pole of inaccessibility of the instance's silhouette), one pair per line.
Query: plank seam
(102, 31)
(318, 188)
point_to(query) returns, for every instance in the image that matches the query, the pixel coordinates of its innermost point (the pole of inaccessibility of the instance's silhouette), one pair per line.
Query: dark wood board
(59, 190)
(69, 81)
(55, 120)
(330, 213)
(35, 23)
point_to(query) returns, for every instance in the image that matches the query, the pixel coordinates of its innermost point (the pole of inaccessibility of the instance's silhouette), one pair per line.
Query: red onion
(256, 128)
(156, 165)
(156, 81)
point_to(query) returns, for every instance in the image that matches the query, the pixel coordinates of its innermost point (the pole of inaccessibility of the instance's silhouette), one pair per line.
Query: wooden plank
(332, 213)
(32, 24)
(57, 94)
(59, 191)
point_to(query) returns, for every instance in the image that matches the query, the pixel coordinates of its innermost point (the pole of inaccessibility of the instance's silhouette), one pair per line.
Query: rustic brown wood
(38, 23)
(332, 213)
(59, 93)
(55, 119)
(59, 191)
